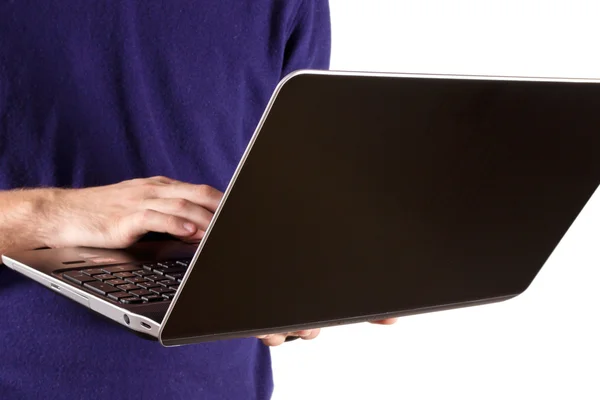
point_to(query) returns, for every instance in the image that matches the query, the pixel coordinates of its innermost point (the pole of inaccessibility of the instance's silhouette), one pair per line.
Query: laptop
(361, 196)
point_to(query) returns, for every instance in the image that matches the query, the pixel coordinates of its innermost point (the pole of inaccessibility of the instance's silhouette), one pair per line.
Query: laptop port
(145, 325)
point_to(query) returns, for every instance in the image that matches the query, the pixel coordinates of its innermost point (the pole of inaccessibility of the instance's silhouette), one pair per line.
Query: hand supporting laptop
(113, 216)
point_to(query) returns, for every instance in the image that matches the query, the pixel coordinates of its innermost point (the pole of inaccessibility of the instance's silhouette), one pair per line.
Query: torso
(93, 93)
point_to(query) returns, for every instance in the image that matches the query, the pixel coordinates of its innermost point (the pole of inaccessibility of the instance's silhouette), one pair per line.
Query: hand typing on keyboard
(116, 216)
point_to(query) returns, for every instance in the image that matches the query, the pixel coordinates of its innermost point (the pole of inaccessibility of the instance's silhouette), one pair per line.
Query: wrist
(24, 219)
(46, 207)
(38, 217)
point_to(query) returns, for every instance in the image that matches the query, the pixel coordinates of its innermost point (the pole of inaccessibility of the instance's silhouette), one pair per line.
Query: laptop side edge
(346, 321)
(128, 319)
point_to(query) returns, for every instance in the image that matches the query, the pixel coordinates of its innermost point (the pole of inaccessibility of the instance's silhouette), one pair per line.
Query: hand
(118, 215)
(278, 339)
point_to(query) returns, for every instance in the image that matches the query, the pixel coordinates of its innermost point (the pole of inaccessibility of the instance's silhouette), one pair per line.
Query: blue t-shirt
(96, 92)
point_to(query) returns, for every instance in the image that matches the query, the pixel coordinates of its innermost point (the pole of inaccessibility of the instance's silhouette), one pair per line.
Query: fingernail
(188, 226)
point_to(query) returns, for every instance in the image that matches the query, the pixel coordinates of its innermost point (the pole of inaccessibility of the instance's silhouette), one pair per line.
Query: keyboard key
(141, 292)
(77, 277)
(156, 277)
(152, 298)
(116, 282)
(92, 271)
(162, 289)
(183, 263)
(160, 270)
(118, 295)
(100, 287)
(123, 275)
(128, 287)
(136, 279)
(176, 276)
(149, 267)
(167, 264)
(104, 277)
(143, 272)
(174, 286)
(131, 300)
(176, 270)
(169, 296)
(166, 282)
(148, 285)
(120, 268)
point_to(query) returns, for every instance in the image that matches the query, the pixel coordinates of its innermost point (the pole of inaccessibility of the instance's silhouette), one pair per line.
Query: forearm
(24, 220)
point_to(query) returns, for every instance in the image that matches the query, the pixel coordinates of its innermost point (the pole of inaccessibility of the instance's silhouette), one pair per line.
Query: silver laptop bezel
(127, 318)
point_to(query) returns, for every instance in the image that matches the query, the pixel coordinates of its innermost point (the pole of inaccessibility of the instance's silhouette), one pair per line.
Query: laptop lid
(364, 196)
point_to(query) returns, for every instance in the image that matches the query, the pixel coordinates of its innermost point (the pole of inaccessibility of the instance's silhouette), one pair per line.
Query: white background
(543, 344)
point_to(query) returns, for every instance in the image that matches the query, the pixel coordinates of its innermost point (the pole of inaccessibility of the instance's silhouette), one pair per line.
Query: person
(119, 119)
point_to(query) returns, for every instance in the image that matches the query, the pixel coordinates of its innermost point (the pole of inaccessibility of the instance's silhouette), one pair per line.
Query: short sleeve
(309, 43)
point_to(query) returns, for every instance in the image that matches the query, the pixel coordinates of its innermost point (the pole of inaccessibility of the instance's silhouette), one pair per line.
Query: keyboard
(132, 284)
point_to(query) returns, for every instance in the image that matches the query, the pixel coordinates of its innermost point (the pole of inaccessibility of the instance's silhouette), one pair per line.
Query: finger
(202, 195)
(194, 213)
(308, 334)
(278, 339)
(152, 180)
(274, 340)
(138, 224)
(303, 333)
(389, 321)
(196, 239)
(313, 335)
(163, 179)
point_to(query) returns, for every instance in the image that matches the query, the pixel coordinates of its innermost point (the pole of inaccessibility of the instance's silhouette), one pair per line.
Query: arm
(24, 224)
(309, 43)
(113, 216)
